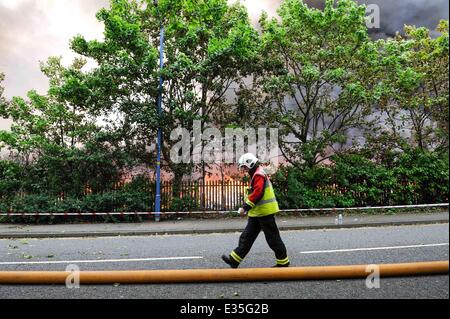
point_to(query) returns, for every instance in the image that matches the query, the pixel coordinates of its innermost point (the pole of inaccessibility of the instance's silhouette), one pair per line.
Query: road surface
(306, 248)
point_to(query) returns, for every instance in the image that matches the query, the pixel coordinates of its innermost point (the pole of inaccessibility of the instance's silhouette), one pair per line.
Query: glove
(241, 211)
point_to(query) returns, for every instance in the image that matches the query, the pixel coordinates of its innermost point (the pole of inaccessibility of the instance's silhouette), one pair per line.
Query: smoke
(393, 14)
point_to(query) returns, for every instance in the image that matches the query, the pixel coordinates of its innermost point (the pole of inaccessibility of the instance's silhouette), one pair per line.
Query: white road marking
(370, 249)
(96, 261)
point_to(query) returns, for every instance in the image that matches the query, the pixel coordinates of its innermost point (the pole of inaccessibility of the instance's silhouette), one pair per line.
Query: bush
(119, 201)
(414, 177)
(184, 204)
(411, 177)
(368, 183)
(10, 180)
(307, 188)
(423, 177)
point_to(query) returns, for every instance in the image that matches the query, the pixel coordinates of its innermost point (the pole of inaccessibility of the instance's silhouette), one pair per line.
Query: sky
(33, 30)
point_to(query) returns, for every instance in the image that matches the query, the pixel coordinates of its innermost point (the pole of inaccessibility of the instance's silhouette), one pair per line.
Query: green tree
(122, 89)
(208, 48)
(415, 81)
(43, 120)
(56, 141)
(422, 85)
(315, 79)
(2, 91)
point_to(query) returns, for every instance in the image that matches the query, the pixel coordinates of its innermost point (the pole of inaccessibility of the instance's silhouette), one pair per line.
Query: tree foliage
(2, 90)
(314, 80)
(208, 46)
(376, 110)
(57, 141)
(414, 90)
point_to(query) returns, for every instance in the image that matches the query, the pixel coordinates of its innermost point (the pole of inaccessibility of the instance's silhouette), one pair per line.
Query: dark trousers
(254, 226)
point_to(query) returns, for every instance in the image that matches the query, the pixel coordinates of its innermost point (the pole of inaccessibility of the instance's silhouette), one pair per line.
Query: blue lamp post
(159, 141)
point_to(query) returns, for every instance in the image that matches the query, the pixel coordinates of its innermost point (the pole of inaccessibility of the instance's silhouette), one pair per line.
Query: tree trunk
(177, 184)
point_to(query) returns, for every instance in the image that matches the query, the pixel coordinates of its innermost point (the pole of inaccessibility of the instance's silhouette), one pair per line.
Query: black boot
(230, 261)
(281, 266)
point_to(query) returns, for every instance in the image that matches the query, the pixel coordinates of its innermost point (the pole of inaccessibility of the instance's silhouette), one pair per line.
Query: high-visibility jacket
(268, 204)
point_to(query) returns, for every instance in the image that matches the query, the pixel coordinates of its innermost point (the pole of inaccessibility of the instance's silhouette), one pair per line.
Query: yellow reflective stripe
(283, 261)
(249, 202)
(235, 257)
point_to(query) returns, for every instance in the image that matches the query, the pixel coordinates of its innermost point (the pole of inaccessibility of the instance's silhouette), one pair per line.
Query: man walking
(261, 207)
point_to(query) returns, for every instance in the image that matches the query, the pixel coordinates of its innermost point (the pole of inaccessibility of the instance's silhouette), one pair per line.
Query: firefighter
(261, 206)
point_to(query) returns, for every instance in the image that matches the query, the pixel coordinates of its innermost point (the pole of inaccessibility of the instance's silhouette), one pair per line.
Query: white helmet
(249, 160)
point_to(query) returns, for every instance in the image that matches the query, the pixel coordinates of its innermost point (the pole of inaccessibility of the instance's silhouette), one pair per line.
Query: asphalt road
(306, 248)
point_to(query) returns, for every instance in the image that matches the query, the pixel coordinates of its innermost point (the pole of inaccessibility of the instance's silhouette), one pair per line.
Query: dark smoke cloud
(394, 14)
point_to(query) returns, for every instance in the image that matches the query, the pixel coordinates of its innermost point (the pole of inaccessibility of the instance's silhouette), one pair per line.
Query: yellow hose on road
(224, 275)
